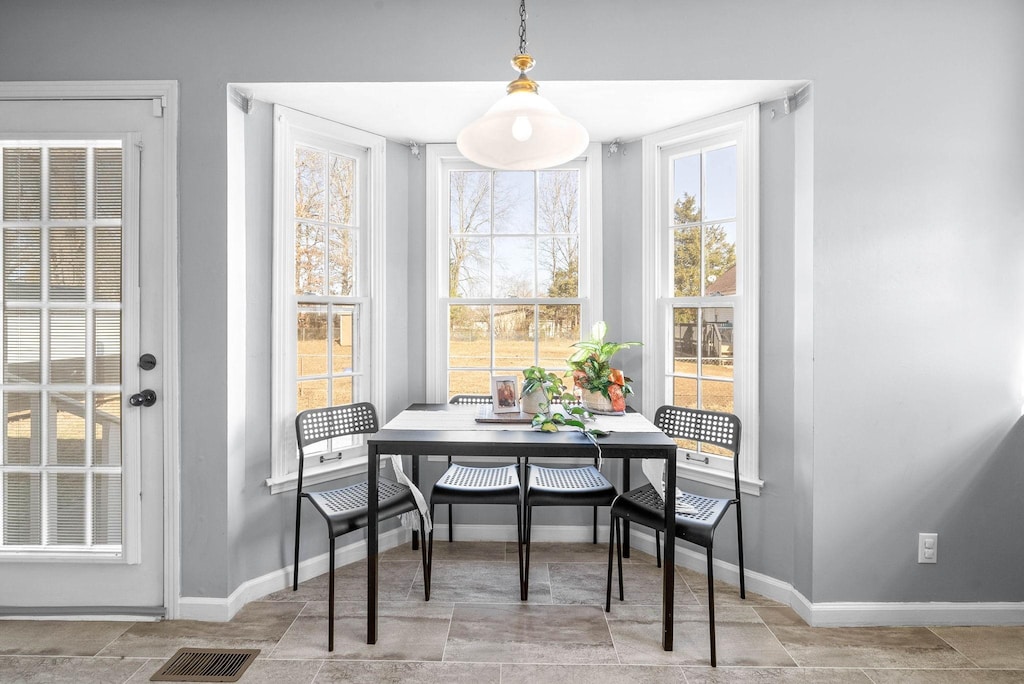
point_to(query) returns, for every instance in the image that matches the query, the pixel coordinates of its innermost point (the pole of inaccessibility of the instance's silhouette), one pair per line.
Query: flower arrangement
(592, 372)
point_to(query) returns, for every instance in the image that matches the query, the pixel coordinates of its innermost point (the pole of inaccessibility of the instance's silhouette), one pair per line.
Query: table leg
(625, 521)
(416, 481)
(373, 473)
(668, 583)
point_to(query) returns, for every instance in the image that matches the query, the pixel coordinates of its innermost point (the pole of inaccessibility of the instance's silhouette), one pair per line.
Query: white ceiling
(436, 112)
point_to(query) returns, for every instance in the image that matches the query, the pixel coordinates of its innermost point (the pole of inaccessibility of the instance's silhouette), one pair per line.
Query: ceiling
(436, 112)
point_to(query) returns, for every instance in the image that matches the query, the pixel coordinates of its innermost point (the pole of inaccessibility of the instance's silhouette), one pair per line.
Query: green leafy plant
(537, 378)
(577, 417)
(591, 369)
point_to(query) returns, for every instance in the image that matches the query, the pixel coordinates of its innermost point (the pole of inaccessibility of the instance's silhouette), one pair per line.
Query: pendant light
(523, 130)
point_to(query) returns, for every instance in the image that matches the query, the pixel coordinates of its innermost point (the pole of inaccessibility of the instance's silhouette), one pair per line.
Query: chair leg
(595, 524)
(298, 519)
(611, 554)
(711, 604)
(426, 562)
(526, 562)
(451, 524)
(330, 600)
(618, 545)
(519, 548)
(657, 545)
(430, 547)
(739, 541)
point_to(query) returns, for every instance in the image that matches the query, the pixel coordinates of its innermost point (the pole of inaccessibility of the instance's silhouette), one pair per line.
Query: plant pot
(534, 402)
(595, 401)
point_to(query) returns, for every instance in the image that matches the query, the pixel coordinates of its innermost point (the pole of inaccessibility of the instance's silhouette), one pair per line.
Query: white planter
(534, 402)
(595, 401)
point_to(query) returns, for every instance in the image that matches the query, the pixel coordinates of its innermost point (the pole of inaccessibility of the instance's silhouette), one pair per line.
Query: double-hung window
(513, 258)
(701, 281)
(327, 228)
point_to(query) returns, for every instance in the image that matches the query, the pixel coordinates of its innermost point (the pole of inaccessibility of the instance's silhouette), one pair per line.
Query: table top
(473, 440)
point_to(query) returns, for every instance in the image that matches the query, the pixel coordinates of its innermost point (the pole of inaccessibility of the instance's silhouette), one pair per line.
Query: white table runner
(463, 418)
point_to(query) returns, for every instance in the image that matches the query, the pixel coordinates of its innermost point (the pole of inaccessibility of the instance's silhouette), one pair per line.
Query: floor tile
(987, 646)
(880, 647)
(589, 674)
(585, 583)
(786, 675)
(261, 671)
(413, 630)
(395, 577)
(259, 624)
(483, 582)
(725, 594)
(56, 637)
(372, 672)
(515, 633)
(456, 550)
(63, 670)
(742, 638)
(562, 552)
(957, 676)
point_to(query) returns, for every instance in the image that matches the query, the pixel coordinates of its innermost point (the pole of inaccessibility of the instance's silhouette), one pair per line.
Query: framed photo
(504, 394)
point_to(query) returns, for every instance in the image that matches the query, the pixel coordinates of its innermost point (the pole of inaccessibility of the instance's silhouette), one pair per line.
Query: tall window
(514, 258)
(702, 274)
(323, 238)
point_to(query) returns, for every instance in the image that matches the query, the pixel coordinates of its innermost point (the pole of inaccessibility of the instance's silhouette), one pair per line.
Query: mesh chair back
(321, 424)
(470, 399)
(708, 427)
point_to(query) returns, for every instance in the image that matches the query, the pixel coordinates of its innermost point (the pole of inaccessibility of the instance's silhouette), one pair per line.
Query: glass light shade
(520, 132)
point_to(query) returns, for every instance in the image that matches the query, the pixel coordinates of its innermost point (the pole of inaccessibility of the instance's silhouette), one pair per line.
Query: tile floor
(475, 630)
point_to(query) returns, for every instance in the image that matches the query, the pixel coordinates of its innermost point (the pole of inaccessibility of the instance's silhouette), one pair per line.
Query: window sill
(718, 478)
(324, 472)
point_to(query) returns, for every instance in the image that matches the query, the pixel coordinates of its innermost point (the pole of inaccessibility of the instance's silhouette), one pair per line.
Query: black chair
(645, 506)
(584, 486)
(471, 485)
(345, 509)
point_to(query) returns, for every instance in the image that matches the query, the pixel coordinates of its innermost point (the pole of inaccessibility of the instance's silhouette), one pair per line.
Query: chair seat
(645, 506)
(345, 509)
(466, 484)
(584, 486)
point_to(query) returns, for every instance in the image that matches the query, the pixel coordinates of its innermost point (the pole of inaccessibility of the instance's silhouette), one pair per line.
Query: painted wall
(897, 408)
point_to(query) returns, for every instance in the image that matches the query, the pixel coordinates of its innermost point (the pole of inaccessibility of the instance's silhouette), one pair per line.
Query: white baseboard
(834, 614)
(223, 609)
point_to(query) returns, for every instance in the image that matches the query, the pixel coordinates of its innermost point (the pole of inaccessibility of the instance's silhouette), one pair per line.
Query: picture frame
(504, 394)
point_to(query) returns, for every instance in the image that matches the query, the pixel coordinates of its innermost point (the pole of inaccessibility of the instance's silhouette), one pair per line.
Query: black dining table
(533, 444)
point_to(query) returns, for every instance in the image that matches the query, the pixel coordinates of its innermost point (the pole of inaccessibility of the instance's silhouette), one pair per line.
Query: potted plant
(604, 388)
(540, 389)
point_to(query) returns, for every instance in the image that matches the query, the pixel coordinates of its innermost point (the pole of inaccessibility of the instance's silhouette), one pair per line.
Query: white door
(81, 501)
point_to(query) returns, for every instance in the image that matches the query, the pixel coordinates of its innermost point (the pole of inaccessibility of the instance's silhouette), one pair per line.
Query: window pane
(106, 445)
(716, 338)
(67, 264)
(22, 264)
(342, 191)
(106, 509)
(342, 255)
(558, 267)
(107, 362)
(513, 336)
(720, 184)
(469, 267)
(107, 264)
(343, 350)
(558, 206)
(309, 258)
(66, 508)
(23, 504)
(311, 343)
(686, 189)
(469, 202)
(514, 266)
(559, 329)
(22, 345)
(311, 394)
(67, 429)
(67, 346)
(513, 202)
(23, 184)
(684, 341)
(684, 392)
(22, 428)
(67, 183)
(469, 337)
(468, 382)
(716, 396)
(342, 391)
(107, 168)
(309, 183)
(720, 252)
(686, 261)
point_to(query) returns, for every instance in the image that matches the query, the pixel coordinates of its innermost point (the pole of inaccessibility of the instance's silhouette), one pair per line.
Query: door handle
(146, 397)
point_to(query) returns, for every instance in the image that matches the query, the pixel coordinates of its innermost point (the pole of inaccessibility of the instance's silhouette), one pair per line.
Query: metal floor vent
(206, 665)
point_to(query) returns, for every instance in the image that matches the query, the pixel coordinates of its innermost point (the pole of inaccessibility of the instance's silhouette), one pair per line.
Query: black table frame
(509, 444)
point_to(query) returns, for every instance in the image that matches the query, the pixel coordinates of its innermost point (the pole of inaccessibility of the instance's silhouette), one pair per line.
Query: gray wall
(893, 326)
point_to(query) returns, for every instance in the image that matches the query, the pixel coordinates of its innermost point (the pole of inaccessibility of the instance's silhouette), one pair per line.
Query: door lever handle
(146, 397)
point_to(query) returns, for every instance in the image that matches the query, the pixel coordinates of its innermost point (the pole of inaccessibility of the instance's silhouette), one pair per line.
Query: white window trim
(288, 125)
(742, 123)
(436, 347)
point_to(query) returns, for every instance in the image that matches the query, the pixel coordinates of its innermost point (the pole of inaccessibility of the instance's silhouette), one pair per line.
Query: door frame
(164, 95)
